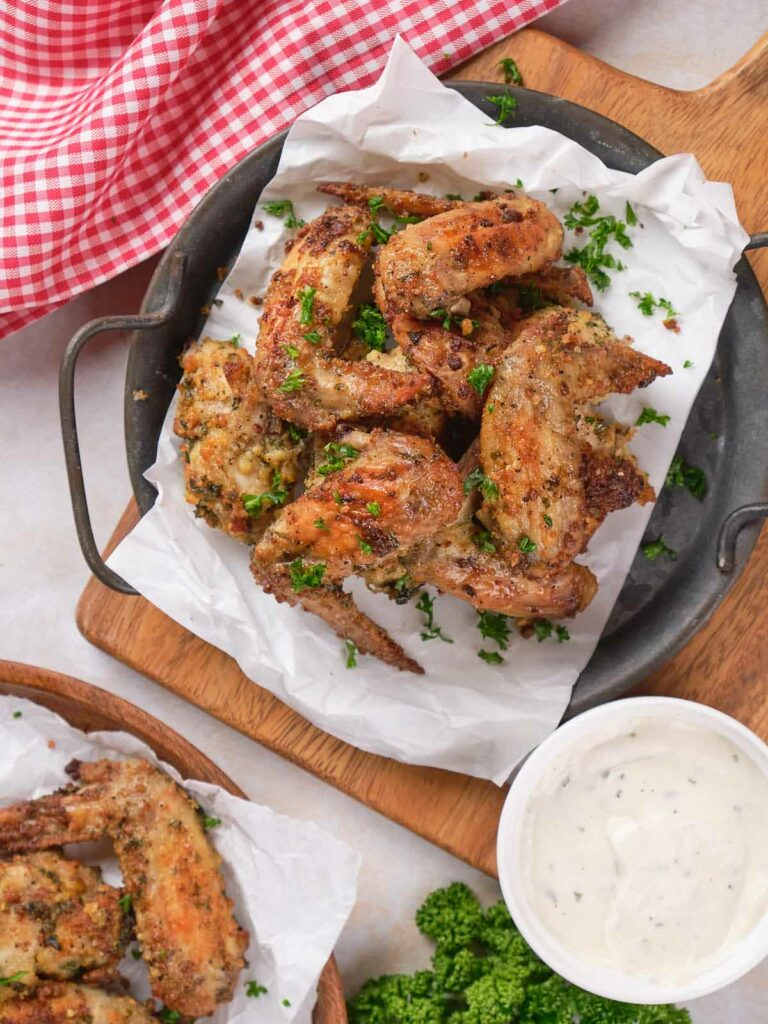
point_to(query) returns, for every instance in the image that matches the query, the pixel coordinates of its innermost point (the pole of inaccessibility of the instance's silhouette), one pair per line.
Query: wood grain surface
(89, 708)
(725, 125)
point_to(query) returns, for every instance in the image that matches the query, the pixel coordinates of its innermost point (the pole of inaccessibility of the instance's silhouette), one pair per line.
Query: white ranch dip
(646, 848)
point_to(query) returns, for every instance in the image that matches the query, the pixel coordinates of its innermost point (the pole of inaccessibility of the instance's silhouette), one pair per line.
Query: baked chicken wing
(240, 460)
(59, 921)
(554, 469)
(432, 265)
(373, 494)
(307, 381)
(75, 1004)
(189, 938)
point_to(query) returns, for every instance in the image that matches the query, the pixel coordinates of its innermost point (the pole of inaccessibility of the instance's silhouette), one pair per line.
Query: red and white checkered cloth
(117, 116)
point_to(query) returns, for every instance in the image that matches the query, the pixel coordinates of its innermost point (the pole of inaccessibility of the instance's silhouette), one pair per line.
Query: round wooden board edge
(90, 708)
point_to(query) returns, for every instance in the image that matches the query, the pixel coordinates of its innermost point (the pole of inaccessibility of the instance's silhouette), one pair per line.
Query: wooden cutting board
(725, 125)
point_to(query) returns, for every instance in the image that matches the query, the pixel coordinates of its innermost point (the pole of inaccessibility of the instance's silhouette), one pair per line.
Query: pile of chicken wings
(468, 454)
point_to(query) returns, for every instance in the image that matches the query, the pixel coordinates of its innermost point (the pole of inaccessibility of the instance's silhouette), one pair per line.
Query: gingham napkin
(117, 116)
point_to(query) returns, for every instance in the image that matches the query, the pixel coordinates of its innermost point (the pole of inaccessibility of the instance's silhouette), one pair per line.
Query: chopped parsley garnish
(307, 305)
(210, 822)
(125, 902)
(687, 365)
(295, 433)
(682, 474)
(506, 104)
(170, 1016)
(291, 351)
(13, 978)
(136, 953)
(654, 548)
(511, 71)
(374, 508)
(365, 547)
(350, 649)
(254, 503)
(17, 714)
(529, 297)
(543, 629)
(293, 382)
(286, 1002)
(370, 327)
(305, 577)
(491, 657)
(487, 487)
(482, 539)
(380, 234)
(426, 604)
(629, 215)
(547, 521)
(284, 208)
(647, 303)
(526, 545)
(253, 989)
(481, 377)
(338, 498)
(448, 319)
(313, 337)
(593, 258)
(339, 455)
(562, 634)
(455, 196)
(235, 340)
(649, 415)
(403, 587)
(320, 524)
(494, 626)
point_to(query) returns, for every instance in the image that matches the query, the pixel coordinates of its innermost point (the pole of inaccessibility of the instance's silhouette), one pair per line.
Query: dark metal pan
(663, 603)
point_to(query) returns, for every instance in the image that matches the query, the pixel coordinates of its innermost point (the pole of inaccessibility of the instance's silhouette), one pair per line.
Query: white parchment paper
(463, 715)
(293, 884)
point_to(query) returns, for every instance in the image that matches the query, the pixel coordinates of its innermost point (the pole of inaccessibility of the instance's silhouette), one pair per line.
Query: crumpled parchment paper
(463, 715)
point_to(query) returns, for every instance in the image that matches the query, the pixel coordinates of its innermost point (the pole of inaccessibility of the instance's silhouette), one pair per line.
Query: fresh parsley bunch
(483, 972)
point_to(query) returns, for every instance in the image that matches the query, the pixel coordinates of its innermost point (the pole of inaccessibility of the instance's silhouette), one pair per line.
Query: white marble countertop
(42, 572)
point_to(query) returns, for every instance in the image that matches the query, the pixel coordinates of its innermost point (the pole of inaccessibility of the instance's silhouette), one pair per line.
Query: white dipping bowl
(610, 982)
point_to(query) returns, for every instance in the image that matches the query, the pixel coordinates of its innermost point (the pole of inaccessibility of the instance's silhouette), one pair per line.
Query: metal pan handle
(734, 522)
(138, 322)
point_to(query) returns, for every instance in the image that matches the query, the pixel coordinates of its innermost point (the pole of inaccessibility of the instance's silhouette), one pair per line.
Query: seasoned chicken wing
(400, 202)
(553, 473)
(375, 493)
(240, 460)
(59, 921)
(307, 382)
(189, 937)
(465, 559)
(75, 1004)
(434, 264)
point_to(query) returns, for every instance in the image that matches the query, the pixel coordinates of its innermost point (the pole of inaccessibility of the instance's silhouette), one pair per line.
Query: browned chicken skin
(434, 264)
(297, 360)
(75, 1004)
(189, 938)
(375, 494)
(557, 478)
(234, 445)
(59, 921)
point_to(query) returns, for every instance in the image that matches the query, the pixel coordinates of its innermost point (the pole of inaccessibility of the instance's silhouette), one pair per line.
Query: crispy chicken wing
(374, 494)
(60, 921)
(307, 382)
(400, 202)
(75, 1004)
(557, 475)
(433, 264)
(189, 937)
(234, 445)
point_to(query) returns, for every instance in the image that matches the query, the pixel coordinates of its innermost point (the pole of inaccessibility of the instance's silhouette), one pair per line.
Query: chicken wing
(60, 921)
(307, 382)
(374, 494)
(400, 202)
(433, 264)
(75, 1004)
(240, 459)
(189, 937)
(552, 474)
